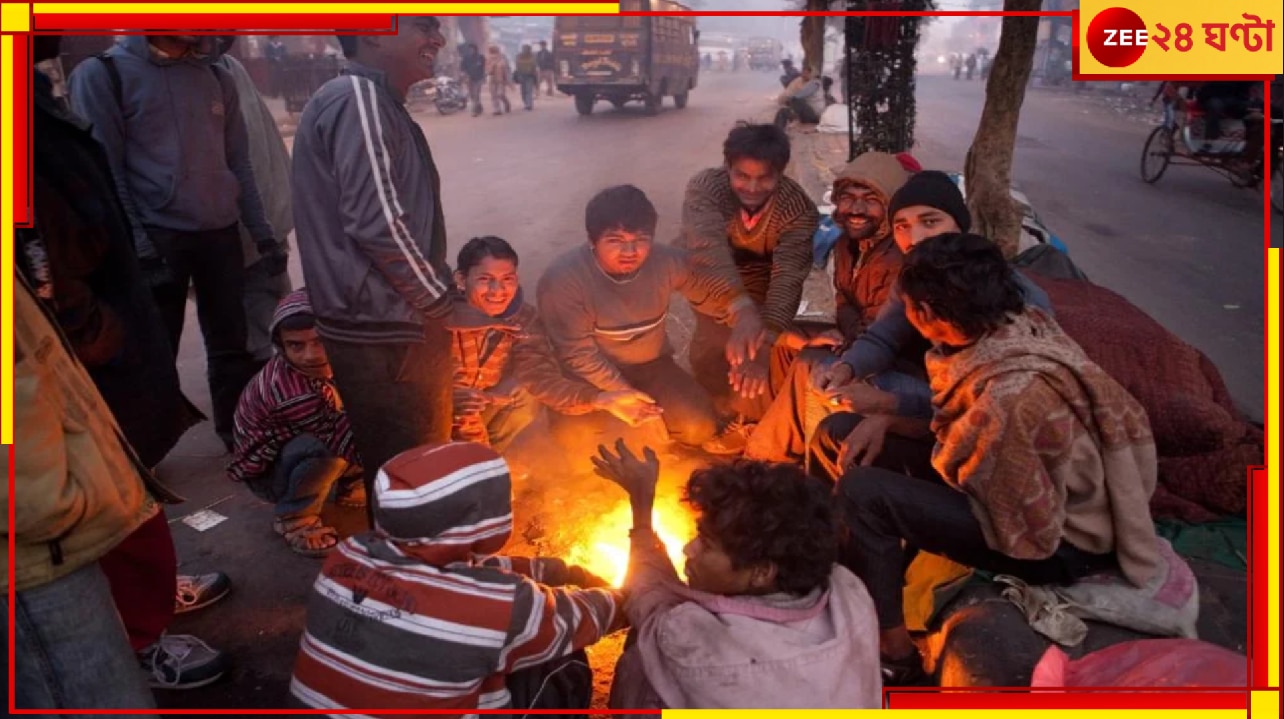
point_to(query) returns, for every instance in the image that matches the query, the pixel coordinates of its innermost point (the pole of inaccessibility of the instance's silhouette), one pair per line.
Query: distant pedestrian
(525, 75)
(547, 75)
(474, 70)
(499, 76)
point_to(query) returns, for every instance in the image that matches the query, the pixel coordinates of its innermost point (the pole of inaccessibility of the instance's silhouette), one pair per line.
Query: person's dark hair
(479, 248)
(760, 512)
(964, 279)
(349, 45)
(765, 143)
(293, 323)
(623, 207)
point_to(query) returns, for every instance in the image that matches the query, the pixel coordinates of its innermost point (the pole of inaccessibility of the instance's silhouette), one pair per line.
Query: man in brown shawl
(1043, 465)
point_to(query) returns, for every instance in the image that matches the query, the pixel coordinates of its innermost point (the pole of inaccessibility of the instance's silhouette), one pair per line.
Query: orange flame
(604, 548)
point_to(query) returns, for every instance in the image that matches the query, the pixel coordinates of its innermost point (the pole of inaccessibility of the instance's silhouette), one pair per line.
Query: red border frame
(986, 698)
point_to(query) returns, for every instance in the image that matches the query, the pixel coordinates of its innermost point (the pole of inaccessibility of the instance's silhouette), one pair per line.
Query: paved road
(1188, 250)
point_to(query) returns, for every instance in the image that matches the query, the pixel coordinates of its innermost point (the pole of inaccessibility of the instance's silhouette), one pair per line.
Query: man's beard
(869, 231)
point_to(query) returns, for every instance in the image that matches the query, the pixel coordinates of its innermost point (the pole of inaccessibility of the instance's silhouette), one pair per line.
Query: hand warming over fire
(637, 477)
(629, 406)
(750, 379)
(468, 401)
(747, 336)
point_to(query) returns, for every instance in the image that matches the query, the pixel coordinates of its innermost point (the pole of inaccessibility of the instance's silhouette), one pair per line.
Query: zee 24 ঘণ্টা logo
(1118, 37)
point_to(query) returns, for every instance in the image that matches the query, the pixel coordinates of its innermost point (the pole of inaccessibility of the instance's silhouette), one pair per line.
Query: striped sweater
(769, 257)
(598, 323)
(486, 357)
(279, 404)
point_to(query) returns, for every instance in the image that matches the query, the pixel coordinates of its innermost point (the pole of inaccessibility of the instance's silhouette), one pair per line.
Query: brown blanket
(1205, 446)
(1046, 445)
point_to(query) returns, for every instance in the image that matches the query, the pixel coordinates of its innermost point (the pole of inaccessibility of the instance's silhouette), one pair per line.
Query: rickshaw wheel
(1156, 154)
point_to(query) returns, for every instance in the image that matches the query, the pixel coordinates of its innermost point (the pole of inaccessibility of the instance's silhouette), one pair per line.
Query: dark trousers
(397, 396)
(797, 109)
(891, 515)
(564, 683)
(211, 261)
(900, 454)
(688, 417)
(474, 94)
(504, 423)
(301, 478)
(142, 571)
(527, 85)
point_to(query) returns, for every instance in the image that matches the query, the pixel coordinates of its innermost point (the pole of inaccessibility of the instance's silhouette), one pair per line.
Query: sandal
(302, 533)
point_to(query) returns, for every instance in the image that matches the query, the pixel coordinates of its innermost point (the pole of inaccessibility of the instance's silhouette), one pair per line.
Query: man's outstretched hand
(637, 477)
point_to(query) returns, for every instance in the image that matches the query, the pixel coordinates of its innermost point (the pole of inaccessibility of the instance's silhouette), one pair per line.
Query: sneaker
(196, 591)
(904, 672)
(731, 440)
(181, 661)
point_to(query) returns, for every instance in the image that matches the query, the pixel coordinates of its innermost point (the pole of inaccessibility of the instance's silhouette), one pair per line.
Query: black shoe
(904, 672)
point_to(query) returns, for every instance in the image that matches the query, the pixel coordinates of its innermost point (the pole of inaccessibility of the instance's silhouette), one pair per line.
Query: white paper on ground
(204, 520)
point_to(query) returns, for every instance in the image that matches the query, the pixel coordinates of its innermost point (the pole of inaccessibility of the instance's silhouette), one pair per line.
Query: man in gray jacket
(271, 162)
(372, 239)
(171, 125)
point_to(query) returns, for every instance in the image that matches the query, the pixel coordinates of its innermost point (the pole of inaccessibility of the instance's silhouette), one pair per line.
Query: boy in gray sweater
(605, 306)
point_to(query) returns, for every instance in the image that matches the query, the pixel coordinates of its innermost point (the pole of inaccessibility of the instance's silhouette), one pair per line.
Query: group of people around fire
(945, 410)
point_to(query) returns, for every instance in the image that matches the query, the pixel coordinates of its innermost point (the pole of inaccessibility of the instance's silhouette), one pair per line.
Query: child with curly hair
(767, 618)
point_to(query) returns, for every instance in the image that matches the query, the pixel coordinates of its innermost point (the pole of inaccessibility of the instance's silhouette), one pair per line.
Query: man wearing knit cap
(866, 262)
(419, 613)
(293, 443)
(929, 204)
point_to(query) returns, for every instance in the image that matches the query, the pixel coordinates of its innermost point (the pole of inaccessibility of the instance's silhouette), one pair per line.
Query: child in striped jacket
(419, 614)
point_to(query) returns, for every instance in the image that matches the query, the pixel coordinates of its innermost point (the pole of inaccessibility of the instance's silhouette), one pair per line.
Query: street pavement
(1188, 250)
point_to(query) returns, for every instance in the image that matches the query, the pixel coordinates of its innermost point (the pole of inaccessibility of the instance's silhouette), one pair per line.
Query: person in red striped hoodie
(292, 440)
(419, 613)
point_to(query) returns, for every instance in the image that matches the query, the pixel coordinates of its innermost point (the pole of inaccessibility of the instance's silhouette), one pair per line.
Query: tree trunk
(988, 169)
(813, 37)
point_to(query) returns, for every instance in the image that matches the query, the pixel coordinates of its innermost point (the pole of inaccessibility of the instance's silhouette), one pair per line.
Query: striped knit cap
(446, 501)
(295, 303)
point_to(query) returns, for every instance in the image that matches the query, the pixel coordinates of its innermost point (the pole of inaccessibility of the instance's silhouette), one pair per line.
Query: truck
(764, 53)
(623, 58)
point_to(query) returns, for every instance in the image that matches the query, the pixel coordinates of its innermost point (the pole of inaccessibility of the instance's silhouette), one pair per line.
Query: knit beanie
(456, 496)
(295, 303)
(932, 188)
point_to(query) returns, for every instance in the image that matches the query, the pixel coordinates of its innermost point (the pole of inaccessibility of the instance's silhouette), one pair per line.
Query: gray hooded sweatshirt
(176, 141)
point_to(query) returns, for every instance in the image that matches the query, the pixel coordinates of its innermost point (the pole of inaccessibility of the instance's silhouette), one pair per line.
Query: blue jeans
(528, 92)
(301, 478)
(71, 650)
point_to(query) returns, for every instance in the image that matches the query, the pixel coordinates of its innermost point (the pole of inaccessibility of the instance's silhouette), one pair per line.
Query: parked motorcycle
(448, 96)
